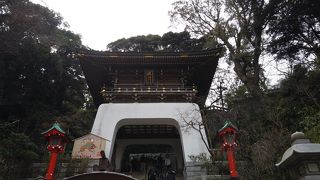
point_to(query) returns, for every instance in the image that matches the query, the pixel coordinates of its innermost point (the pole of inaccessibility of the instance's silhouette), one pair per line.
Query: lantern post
(227, 135)
(302, 159)
(57, 140)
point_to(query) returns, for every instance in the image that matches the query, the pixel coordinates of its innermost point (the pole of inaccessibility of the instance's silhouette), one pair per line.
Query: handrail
(142, 85)
(149, 89)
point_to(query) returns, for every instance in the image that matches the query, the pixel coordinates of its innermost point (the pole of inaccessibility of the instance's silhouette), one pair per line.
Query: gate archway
(148, 141)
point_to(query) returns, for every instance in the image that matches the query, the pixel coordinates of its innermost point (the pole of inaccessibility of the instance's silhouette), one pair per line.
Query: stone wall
(199, 171)
(194, 170)
(65, 169)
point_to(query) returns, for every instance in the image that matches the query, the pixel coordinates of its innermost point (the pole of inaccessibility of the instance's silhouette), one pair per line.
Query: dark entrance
(154, 131)
(139, 158)
(141, 148)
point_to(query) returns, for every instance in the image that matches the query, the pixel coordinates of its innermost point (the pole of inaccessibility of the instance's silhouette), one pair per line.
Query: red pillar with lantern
(57, 140)
(227, 135)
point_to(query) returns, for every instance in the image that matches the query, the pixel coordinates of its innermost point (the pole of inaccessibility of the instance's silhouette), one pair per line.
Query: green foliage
(83, 165)
(204, 160)
(264, 117)
(76, 166)
(295, 107)
(295, 31)
(299, 98)
(172, 42)
(78, 123)
(298, 106)
(18, 146)
(199, 158)
(71, 168)
(137, 44)
(238, 92)
(211, 167)
(40, 82)
(17, 151)
(240, 29)
(182, 41)
(314, 132)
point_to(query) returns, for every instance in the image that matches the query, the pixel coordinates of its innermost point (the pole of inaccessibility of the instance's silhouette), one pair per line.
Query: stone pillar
(302, 159)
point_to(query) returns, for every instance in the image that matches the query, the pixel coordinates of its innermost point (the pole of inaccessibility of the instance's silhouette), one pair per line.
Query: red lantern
(57, 139)
(228, 135)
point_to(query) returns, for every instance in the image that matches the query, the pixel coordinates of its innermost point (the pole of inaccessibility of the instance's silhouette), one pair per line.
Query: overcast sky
(100, 22)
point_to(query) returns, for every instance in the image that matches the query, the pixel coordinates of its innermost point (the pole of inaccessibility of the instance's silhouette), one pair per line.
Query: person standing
(167, 162)
(171, 174)
(159, 164)
(104, 164)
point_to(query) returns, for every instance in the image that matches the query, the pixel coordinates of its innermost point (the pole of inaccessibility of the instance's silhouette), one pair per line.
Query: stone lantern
(57, 140)
(228, 135)
(302, 159)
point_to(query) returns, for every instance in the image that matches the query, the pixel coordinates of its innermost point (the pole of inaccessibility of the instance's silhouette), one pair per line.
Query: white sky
(100, 22)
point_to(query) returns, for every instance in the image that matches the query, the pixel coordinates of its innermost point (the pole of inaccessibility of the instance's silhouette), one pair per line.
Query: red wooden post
(228, 136)
(57, 139)
(232, 163)
(52, 165)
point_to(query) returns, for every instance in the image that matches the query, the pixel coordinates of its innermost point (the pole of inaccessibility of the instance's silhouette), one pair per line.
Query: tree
(33, 53)
(17, 152)
(22, 20)
(40, 80)
(137, 44)
(240, 26)
(299, 102)
(170, 41)
(260, 144)
(295, 31)
(182, 41)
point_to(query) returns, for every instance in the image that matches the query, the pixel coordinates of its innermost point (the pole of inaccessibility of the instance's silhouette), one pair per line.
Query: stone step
(194, 171)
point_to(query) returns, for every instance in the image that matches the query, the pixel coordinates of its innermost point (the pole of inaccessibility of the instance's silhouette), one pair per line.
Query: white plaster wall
(110, 117)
